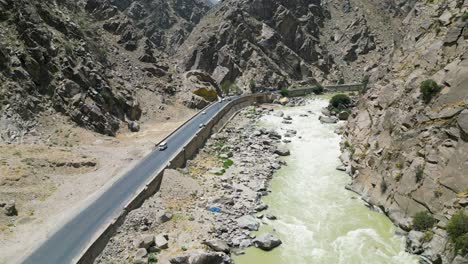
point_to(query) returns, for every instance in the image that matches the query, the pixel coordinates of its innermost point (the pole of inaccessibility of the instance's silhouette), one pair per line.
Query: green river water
(318, 220)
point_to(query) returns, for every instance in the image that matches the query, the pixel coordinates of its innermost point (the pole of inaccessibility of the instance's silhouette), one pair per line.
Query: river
(318, 220)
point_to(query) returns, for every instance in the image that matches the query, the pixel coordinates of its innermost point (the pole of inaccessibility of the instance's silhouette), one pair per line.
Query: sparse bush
(423, 221)
(464, 17)
(284, 92)
(461, 244)
(457, 229)
(253, 86)
(419, 173)
(399, 165)
(429, 88)
(340, 101)
(428, 235)
(318, 89)
(346, 144)
(221, 172)
(227, 163)
(398, 176)
(152, 258)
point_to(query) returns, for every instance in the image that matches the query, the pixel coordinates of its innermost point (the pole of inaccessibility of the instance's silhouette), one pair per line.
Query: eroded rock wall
(407, 155)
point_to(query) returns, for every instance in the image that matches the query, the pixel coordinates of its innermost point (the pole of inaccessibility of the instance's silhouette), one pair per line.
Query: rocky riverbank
(205, 211)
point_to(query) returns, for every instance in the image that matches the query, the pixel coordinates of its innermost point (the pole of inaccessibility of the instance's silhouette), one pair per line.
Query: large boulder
(248, 222)
(282, 151)
(145, 241)
(328, 119)
(218, 245)
(266, 241)
(161, 241)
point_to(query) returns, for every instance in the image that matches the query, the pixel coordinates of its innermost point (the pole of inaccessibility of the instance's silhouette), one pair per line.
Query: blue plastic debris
(214, 209)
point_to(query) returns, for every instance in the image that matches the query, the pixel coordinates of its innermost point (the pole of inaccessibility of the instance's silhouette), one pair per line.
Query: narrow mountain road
(69, 241)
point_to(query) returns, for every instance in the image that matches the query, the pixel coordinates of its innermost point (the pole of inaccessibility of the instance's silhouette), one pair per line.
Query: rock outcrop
(271, 42)
(406, 154)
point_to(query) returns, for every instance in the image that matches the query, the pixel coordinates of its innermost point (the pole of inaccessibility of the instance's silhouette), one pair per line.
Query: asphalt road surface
(69, 241)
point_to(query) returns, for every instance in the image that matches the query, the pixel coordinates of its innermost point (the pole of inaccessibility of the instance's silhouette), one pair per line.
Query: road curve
(71, 239)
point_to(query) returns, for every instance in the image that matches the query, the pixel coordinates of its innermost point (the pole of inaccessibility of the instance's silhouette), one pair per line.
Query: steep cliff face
(271, 42)
(408, 154)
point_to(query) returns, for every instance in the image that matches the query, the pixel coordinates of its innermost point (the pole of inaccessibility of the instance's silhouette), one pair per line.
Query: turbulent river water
(318, 220)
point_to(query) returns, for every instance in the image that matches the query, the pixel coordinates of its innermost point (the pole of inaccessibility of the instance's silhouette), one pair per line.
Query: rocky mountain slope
(408, 154)
(102, 63)
(270, 42)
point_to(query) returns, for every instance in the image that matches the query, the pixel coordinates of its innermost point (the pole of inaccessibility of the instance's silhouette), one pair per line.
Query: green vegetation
(428, 235)
(253, 86)
(423, 221)
(464, 17)
(399, 165)
(284, 92)
(208, 94)
(318, 89)
(419, 173)
(429, 88)
(227, 163)
(340, 102)
(398, 176)
(229, 87)
(457, 229)
(221, 172)
(152, 258)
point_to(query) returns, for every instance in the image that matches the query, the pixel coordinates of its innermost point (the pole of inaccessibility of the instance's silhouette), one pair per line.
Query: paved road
(73, 237)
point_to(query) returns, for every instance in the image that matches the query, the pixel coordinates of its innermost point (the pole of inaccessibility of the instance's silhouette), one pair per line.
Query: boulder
(282, 151)
(248, 222)
(133, 126)
(452, 35)
(270, 217)
(445, 18)
(166, 216)
(413, 243)
(10, 208)
(284, 100)
(328, 120)
(266, 241)
(326, 112)
(140, 256)
(145, 241)
(278, 113)
(218, 245)
(161, 241)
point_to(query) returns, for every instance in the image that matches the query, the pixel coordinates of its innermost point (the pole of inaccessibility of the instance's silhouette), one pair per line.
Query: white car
(162, 146)
(203, 113)
(201, 125)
